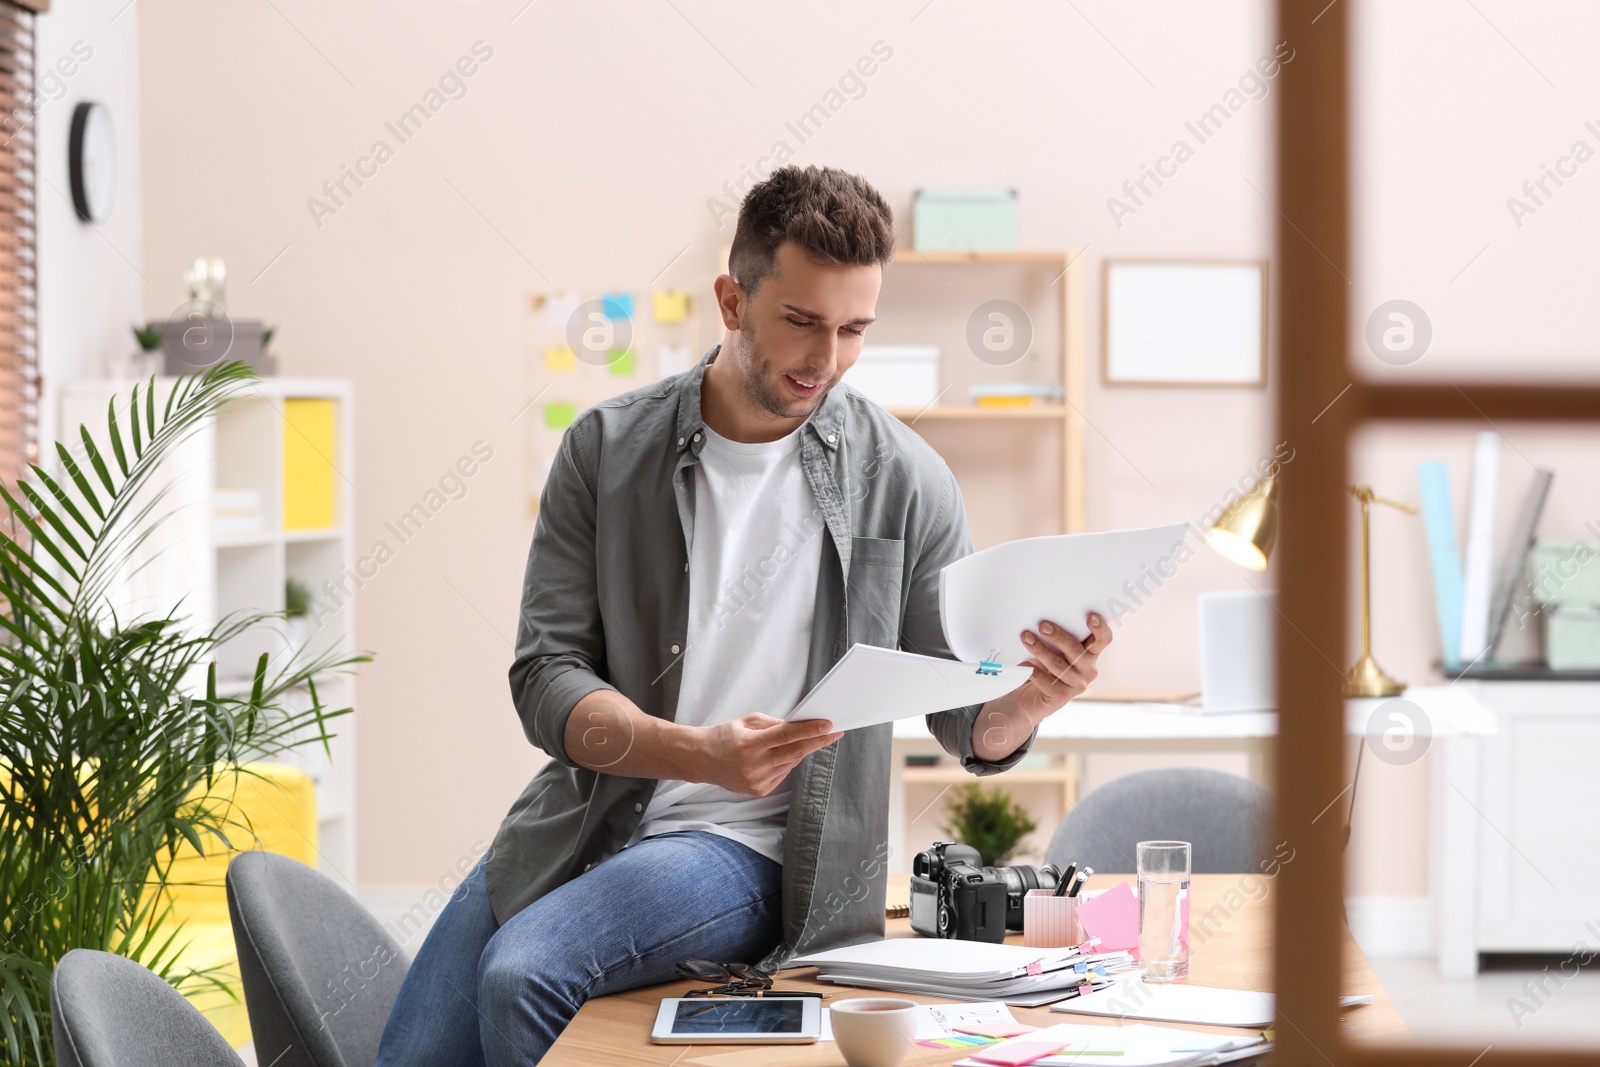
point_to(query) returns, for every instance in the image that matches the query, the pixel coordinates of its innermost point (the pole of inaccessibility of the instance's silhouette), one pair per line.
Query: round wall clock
(92, 160)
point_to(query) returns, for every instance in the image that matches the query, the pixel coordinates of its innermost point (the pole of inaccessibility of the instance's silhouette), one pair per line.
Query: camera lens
(1024, 877)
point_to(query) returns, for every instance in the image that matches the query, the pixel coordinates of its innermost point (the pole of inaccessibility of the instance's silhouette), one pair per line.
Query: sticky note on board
(670, 306)
(619, 361)
(558, 308)
(559, 359)
(672, 359)
(616, 305)
(558, 414)
(1113, 917)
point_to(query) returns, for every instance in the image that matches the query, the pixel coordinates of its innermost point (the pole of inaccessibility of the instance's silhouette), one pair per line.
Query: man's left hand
(1062, 666)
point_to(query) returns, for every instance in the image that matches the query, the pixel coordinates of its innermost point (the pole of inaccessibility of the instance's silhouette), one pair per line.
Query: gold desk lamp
(1246, 532)
(1366, 678)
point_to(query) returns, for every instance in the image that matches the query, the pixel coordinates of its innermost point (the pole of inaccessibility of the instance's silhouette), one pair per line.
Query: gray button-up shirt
(605, 605)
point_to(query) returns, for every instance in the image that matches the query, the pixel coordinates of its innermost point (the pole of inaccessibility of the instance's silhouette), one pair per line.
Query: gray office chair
(1226, 818)
(320, 973)
(108, 1011)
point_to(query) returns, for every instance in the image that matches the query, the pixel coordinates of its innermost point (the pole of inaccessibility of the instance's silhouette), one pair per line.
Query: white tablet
(738, 1021)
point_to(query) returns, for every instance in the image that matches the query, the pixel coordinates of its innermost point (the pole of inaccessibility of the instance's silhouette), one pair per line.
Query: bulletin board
(587, 347)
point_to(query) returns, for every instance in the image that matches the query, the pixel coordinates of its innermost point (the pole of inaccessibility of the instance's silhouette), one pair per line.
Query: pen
(1065, 880)
(1079, 881)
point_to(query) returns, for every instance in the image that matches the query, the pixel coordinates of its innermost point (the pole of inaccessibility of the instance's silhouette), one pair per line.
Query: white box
(1237, 659)
(897, 376)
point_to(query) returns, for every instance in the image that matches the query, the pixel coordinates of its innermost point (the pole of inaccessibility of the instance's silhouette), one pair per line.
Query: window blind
(19, 372)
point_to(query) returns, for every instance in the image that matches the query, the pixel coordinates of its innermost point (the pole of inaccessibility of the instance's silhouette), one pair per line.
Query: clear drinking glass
(1164, 909)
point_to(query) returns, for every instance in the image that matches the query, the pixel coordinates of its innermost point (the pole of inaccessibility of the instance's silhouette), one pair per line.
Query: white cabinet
(1516, 865)
(236, 533)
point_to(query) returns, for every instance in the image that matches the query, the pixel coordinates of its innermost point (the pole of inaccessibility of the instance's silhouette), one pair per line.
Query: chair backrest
(1226, 818)
(107, 1011)
(320, 973)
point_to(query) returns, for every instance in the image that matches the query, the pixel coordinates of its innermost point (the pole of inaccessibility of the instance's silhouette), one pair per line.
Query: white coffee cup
(874, 1031)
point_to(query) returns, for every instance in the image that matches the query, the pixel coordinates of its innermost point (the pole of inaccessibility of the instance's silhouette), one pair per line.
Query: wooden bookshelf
(1064, 419)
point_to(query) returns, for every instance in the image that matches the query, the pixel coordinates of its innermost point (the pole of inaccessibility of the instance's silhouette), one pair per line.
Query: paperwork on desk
(871, 685)
(1138, 1045)
(1132, 998)
(985, 602)
(987, 599)
(964, 970)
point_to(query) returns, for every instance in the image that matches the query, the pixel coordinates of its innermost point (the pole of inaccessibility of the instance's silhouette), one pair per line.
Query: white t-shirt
(752, 591)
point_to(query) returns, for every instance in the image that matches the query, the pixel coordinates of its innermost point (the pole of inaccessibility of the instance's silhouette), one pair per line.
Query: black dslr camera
(954, 895)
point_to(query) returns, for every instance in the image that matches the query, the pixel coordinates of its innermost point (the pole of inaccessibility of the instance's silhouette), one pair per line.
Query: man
(707, 547)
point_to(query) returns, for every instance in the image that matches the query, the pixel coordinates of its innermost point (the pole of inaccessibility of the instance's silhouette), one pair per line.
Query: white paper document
(1176, 1003)
(965, 970)
(951, 959)
(1127, 1046)
(988, 598)
(871, 685)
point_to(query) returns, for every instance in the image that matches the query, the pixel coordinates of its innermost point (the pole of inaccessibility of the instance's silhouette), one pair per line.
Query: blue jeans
(483, 994)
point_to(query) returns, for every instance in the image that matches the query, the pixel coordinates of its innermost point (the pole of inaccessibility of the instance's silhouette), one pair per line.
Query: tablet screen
(752, 1015)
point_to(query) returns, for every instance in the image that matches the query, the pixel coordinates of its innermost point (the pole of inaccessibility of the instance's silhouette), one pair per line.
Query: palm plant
(110, 740)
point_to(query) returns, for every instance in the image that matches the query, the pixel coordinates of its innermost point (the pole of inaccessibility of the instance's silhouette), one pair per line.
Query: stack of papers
(966, 970)
(1126, 1046)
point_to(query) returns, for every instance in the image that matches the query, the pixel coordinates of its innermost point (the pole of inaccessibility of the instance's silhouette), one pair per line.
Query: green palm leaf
(106, 737)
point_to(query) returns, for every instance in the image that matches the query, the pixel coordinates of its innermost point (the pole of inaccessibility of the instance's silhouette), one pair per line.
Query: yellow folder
(310, 453)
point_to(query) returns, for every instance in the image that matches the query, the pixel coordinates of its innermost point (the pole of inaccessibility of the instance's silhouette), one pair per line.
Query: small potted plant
(297, 615)
(147, 360)
(989, 820)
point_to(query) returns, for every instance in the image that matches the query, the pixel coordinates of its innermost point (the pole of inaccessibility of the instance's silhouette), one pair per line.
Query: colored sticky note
(558, 414)
(559, 359)
(620, 361)
(558, 309)
(616, 305)
(670, 306)
(1113, 917)
(672, 359)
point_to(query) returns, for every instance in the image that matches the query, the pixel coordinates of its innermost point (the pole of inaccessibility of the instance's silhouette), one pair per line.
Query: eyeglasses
(737, 980)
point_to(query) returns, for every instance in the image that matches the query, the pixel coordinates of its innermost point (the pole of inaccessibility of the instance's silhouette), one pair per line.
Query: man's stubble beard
(754, 370)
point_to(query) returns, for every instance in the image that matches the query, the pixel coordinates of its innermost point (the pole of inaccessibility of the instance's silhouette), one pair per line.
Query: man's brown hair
(836, 217)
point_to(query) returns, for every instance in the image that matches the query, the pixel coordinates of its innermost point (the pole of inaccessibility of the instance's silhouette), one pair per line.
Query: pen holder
(1049, 921)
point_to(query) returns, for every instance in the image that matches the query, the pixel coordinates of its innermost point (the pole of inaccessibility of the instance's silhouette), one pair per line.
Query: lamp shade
(1247, 530)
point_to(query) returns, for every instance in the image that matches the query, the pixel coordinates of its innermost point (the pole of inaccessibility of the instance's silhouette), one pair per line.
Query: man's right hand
(754, 753)
(607, 732)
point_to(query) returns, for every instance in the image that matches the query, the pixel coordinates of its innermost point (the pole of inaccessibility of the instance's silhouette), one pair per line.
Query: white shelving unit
(211, 573)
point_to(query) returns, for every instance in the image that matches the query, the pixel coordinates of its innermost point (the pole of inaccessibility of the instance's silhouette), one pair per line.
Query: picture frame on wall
(1184, 323)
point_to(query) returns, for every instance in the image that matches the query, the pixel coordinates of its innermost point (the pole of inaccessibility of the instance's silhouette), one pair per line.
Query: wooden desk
(1231, 950)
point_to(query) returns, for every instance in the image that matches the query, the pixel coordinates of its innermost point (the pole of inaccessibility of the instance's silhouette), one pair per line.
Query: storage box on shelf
(261, 495)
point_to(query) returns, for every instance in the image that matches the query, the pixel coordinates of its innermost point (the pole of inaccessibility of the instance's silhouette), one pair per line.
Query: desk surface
(615, 1030)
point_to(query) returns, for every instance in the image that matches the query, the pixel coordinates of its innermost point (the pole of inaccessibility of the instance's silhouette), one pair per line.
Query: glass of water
(1164, 909)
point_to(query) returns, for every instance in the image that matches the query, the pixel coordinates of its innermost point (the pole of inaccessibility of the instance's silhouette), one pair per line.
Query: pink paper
(1113, 917)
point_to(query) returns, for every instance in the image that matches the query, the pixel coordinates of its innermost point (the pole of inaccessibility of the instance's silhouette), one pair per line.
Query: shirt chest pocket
(872, 594)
